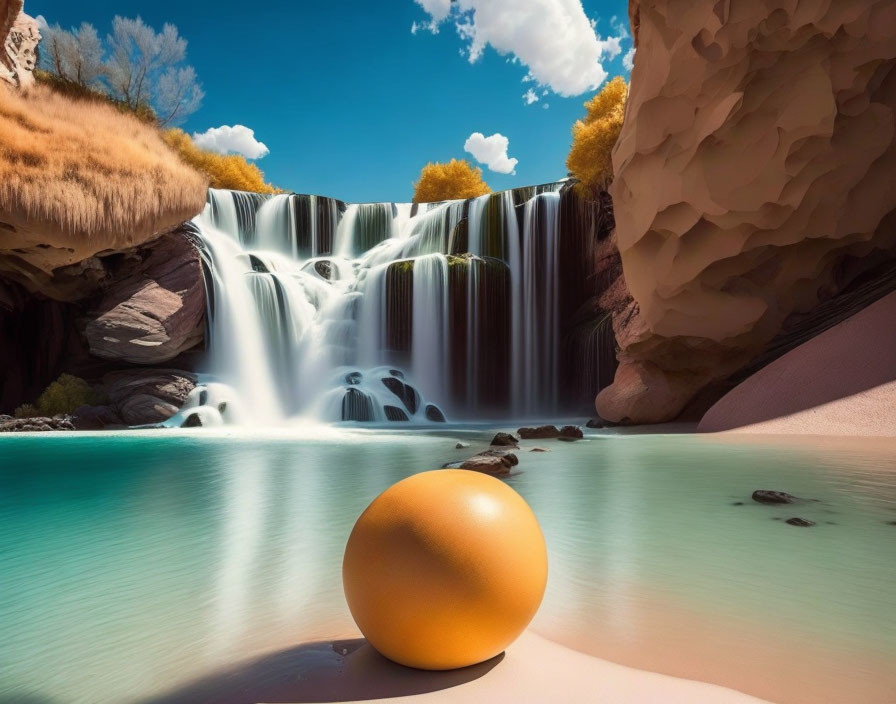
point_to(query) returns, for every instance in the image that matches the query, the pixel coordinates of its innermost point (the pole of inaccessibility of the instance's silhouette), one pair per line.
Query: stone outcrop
(144, 396)
(753, 179)
(154, 310)
(19, 35)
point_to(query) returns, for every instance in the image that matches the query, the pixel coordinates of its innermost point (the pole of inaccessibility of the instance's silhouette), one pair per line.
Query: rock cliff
(19, 35)
(753, 179)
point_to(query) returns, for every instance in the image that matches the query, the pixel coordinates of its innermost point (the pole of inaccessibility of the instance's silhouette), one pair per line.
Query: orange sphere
(445, 569)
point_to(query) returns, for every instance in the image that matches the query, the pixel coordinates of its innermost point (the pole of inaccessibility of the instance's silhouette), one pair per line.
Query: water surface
(132, 564)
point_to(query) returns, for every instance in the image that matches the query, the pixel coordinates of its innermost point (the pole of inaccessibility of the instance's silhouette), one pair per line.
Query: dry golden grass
(80, 171)
(224, 170)
(453, 180)
(593, 138)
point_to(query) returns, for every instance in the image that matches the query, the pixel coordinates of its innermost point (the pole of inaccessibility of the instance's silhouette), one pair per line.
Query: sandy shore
(841, 382)
(533, 669)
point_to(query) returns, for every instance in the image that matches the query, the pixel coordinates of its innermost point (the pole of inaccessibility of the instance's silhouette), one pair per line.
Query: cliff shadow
(327, 671)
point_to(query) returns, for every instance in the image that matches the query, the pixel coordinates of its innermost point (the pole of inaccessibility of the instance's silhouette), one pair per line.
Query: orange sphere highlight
(445, 569)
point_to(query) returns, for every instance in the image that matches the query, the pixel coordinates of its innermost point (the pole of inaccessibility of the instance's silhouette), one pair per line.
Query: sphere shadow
(327, 671)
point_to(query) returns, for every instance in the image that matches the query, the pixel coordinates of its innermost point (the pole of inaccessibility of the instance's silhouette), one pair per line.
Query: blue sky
(351, 103)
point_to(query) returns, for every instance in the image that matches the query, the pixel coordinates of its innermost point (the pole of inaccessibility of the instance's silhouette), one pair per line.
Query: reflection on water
(130, 565)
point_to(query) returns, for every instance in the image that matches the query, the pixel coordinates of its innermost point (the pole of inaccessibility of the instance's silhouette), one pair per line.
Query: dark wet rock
(767, 496)
(802, 522)
(356, 405)
(571, 432)
(257, 265)
(324, 268)
(434, 414)
(192, 421)
(539, 449)
(222, 406)
(504, 439)
(509, 457)
(891, 523)
(491, 462)
(405, 392)
(95, 417)
(539, 433)
(203, 397)
(738, 503)
(461, 445)
(353, 378)
(40, 424)
(600, 423)
(395, 413)
(397, 373)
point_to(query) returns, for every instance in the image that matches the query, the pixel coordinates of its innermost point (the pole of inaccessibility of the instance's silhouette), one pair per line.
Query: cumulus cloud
(554, 39)
(530, 96)
(227, 139)
(491, 151)
(628, 61)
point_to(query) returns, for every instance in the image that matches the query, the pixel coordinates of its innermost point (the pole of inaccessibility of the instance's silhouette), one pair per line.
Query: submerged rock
(504, 439)
(395, 413)
(405, 392)
(767, 496)
(192, 421)
(539, 449)
(353, 378)
(491, 463)
(600, 423)
(434, 414)
(356, 405)
(802, 522)
(461, 445)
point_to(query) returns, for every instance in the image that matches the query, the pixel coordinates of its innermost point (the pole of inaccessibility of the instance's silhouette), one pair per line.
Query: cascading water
(382, 311)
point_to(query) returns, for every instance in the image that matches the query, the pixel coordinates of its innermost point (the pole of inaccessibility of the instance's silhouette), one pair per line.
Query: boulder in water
(570, 432)
(539, 449)
(353, 378)
(767, 496)
(324, 268)
(395, 413)
(434, 414)
(801, 522)
(505, 439)
(541, 432)
(491, 464)
(461, 445)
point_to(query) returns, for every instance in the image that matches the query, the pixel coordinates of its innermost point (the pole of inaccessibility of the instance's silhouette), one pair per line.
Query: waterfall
(382, 311)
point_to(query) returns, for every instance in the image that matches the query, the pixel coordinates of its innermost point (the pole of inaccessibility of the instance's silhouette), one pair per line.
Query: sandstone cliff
(19, 36)
(753, 178)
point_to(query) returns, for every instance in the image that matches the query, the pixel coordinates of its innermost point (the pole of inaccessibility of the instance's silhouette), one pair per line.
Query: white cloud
(530, 96)
(553, 38)
(628, 61)
(42, 22)
(491, 151)
(237, 139)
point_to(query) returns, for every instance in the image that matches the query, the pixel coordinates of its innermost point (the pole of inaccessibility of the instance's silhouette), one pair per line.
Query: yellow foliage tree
(593, 137)
(64, 395)
(450, 181)
(224, 170)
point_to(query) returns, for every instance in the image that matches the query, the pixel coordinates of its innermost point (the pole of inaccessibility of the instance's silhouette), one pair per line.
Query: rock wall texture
(753, 176)
(842, 382)
(19, 35)
(155, 308)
